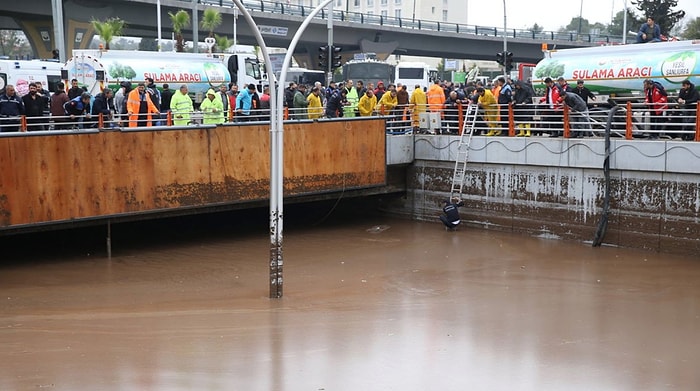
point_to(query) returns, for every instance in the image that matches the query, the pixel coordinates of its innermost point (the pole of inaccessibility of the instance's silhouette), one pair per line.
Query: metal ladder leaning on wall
(463, 150)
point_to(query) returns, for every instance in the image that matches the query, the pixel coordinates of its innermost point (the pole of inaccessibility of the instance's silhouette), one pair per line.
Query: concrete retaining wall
(555, 188)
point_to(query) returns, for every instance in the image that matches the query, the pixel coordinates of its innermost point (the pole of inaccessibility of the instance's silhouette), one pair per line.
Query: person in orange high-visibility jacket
(436, 97)
(140, 107)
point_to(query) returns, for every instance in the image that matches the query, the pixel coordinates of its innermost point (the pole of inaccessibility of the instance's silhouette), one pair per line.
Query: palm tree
(180, 20)
(108, 29)
(211, 20)
(222, 42)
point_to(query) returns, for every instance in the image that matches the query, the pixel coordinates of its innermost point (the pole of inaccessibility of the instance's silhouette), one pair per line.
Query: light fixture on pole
(235, 29)
(505, 39)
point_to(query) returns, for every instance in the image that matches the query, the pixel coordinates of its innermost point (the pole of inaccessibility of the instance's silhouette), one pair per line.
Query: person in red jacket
(552, 114)
(657, 102)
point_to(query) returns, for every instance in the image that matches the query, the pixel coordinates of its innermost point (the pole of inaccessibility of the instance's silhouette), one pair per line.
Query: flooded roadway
(184, 307)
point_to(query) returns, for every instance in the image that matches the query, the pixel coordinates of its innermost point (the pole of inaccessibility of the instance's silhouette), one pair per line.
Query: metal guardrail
(282, 7)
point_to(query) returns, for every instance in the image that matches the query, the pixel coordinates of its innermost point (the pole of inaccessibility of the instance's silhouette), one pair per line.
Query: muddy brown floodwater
(370, 303)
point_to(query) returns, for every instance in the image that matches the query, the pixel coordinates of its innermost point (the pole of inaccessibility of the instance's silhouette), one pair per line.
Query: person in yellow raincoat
(213, 109)
(315, 107)
(140, 107)
(388, 103)
(181, 106)
(418, 104)
(367, 104)
(490, 106)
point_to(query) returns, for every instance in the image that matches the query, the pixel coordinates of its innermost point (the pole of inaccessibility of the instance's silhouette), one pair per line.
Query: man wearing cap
(583, 92)
(244, 103)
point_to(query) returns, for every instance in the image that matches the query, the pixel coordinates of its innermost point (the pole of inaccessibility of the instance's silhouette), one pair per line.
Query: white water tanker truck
(96, 69)
(619, 71)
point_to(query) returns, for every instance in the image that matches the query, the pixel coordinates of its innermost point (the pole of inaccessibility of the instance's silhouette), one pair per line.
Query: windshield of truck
(252, 68)
(369, 72)
(411, 73)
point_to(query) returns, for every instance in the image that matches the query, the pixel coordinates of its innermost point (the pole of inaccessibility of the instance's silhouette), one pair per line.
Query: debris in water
(377, 229)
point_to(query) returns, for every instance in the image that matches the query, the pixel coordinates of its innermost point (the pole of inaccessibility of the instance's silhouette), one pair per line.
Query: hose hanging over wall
(603, 224)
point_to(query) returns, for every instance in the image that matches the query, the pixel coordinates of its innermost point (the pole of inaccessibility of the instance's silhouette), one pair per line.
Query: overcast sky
(553, 14)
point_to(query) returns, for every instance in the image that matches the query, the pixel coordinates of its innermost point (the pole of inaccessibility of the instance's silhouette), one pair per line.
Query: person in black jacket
(34, 105)
(450, 213)
(78, 107)
(688, 97)
(11, 107)
(334, 107)
(74, 91)
(583, 92)
(103, 104)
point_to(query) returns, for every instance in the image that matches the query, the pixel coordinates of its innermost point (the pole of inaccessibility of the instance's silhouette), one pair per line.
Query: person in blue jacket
(649, 32)
(11, 107)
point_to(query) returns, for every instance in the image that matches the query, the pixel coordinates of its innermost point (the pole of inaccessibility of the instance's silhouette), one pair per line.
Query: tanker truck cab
(244, 69)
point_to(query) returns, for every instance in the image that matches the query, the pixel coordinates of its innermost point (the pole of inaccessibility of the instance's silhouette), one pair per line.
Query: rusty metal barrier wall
(71, 177)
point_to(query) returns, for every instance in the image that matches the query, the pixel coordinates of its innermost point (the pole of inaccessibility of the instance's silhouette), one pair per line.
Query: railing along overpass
(353, 31)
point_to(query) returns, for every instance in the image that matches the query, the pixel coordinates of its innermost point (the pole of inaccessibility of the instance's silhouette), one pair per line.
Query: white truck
(620, 70)
(97, 69)
(20, 73)
(411, 74)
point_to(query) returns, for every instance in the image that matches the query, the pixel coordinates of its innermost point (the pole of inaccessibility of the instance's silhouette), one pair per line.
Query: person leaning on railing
(367, 103)
(688, 98)
(181, 107)
(11, 107)
(417, 104)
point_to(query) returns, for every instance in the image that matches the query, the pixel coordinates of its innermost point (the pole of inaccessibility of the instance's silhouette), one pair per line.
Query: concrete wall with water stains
(555, 188)
(47, 179)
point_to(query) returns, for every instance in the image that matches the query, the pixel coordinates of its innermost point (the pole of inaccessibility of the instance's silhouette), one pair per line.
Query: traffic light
(336, 57)
(509, 61)
(323, 57)
(499, 58)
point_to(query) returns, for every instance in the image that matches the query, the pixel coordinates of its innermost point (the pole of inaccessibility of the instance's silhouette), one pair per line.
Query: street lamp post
(235, 29)
(505, 40)
(624, 24)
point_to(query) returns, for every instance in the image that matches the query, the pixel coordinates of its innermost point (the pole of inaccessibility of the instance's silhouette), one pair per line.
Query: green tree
(211, 19)
(148, 45)
(108, 29)
(692, 30)
(579, 25)
(661, 11)
(222, 42)
(536, 28)
(179, 20)
(13, 43)
(633, 23)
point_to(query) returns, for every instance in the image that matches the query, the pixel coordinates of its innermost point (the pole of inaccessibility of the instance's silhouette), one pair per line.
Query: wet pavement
(370, 303)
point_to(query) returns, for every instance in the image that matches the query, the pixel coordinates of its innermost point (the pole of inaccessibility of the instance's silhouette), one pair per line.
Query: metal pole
(235, 30)
(159, 26)
(505, 40)
(276, 172)
(330, 44)
(276, 158)
(58, 29)
(580, 19)
(624, 24)
(414, 12)
(195, 27)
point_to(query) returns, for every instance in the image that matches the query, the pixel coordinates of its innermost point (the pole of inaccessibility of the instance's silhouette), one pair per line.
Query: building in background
(454, 11)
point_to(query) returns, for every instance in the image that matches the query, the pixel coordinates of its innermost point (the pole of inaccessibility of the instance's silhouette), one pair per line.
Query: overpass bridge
(355, 32)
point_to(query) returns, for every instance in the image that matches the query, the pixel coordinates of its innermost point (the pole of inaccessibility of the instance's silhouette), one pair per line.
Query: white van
(412, 73)
(20, 73)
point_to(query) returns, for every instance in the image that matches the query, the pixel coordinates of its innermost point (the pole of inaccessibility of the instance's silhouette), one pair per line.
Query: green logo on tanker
(553, 69)
(213, 73)
(678, 67)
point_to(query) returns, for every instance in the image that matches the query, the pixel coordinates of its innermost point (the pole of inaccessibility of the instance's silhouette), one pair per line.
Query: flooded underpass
(370, 303)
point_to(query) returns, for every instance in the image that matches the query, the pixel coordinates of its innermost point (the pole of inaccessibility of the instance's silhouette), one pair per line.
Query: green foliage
(576, 23)
(211, 19)
(222, 42)
(536, 28)
(148, 45)
(14, 43)
(633, 23)
(661, 11)
(551, 69)
(123, 72)
(108, 29)
(179, 20)
(692, 30)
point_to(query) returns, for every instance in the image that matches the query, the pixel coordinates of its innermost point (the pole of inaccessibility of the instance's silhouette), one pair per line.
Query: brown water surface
(370, 304)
